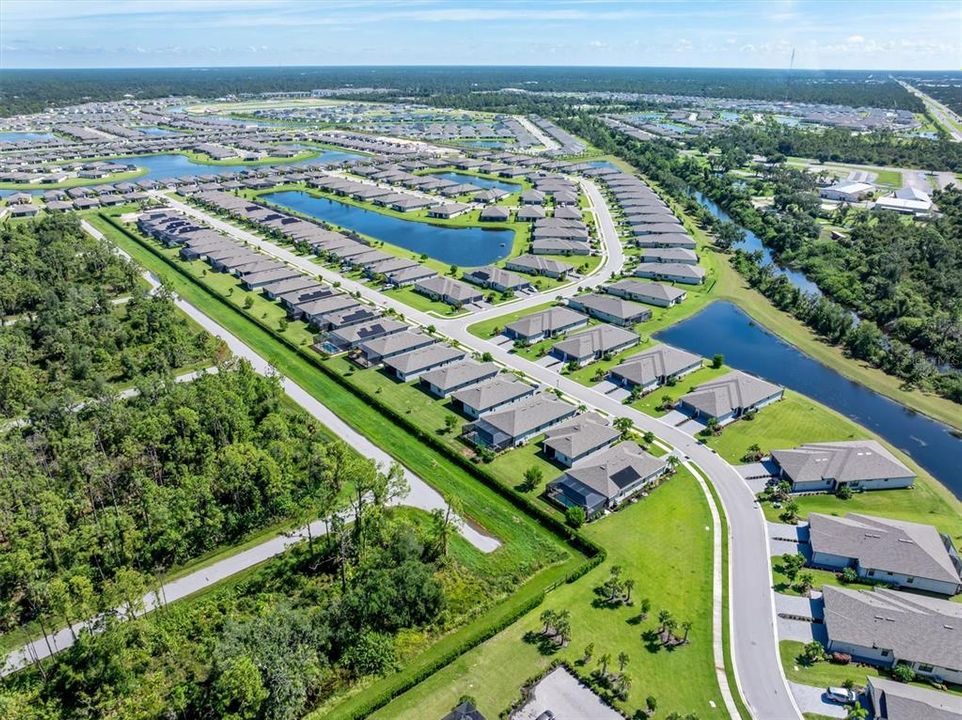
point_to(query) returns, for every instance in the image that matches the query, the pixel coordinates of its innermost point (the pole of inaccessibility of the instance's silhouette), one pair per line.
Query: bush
(844, 492)
(903, 673)
(575, 517)
(840, 658)
(848, 575)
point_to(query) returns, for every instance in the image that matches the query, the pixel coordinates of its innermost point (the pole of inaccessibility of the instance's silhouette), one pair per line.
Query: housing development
(465, 392)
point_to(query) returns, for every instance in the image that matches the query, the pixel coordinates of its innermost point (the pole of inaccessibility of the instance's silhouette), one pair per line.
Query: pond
(486, 183)
(752, 243)
(21, 136)
(724, 328)
(172, 165)
(465, 247)
(157, 131)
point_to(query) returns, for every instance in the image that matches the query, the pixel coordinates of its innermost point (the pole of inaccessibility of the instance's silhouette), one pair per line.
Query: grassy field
(75, 182)
(653, 542)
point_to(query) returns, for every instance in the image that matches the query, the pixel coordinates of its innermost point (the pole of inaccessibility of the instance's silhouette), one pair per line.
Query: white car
(841, 695)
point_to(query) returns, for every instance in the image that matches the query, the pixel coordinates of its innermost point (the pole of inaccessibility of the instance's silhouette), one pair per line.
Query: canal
(724, 328)
(486, 183)
(465, 247)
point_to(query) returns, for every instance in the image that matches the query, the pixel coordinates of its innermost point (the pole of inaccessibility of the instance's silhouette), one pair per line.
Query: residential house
(494, 278)
(606, 480)
(578, 438)
(385, 347)
(494, 213)
(858, 464)
(654, 367)
(647, 292)
(515, 425)
(673, 272)
(534, 265)
(897, 552)
(893, 700)
(448, 290)
(410, 365)
(593, 344)
(495, 394)
(350, 336)
(610, 309)
(446, 380)
(545, 324)
(730, 397)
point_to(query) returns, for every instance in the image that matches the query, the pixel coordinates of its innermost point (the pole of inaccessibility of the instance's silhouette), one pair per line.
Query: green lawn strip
(661, 543)
(650, 403)
(409, 296)
(825, 674)
(75, 182)
(783, 585)
(486, 328)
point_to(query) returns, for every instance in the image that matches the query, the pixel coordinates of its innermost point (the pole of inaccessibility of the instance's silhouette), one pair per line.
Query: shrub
(575, 517)
(903, 673)
(840, 658)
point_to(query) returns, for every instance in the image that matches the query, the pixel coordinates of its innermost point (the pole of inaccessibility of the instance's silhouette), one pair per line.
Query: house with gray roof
(668, 255)
(606, 480)
(730, 397)
(497, 279)
(578, 438)
(593, 344)
(315, 311)
(824, 467)
(495, 394)
(350, 336)
(494, 213)
(410, 365)
(346, 317)
(446, 380)
(448, 290)
(534, 265)
(654, 367)
(887, 627)
(673, 272)
(545, 324)
(515, 425)
(529, 213)
(560, 246)
(252, 281)
(409, 276)
(383, 348)
(665, 240)
(291, 300)
(651, 293)
(906, 554)
(893, 700)
(611, 309)
(532, 197)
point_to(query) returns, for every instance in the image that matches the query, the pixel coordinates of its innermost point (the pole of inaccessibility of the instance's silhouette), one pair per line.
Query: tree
(666, 402)
(903, 673)
(806, 581)
(238, 692)
(588, 652)
(717, 360)
(790, 512)
(624, 425)
(532, 477)
(712, 427)
(857, 712)
(754, 453)
(623, 660)
(686, 626)
(450, 422)
(648, 438)
(575, 516)
(603, 662)
(792, 563)
(651, 703)
(628, 585)
(624, 686)
(548, 618)
(487, 357)
(664, 617)
(644, 608)
(672, 462)
(812, 653)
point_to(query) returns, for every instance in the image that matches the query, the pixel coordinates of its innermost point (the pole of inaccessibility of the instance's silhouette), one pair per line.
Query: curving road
(754, 638)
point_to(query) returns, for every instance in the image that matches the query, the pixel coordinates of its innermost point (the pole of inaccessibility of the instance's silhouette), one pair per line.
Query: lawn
(409, 296)
(649, 403)
(486, 328)
(661, 544)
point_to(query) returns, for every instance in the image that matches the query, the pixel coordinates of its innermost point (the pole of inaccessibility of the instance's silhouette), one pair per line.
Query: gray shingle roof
(892, 545)
(735, 390)
(609, 305)
(916, 628)
(893, 700)
(580, 435)
(460, 374)
(425, 357)
(654, 363)
(549, 320)
(528, 415)
(599, 339)
(646, 289)
(500, 390)
(613, 470)
(847, 461)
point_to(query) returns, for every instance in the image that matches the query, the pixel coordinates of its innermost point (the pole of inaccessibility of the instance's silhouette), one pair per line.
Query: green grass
(76, 182)
(783, 585)
(486, 328)
(409, 296)
(661, 544)
(649, 403)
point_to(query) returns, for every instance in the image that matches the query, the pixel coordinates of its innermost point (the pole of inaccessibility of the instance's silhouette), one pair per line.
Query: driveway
(502, 341)
(812, 700)
(674, 418)
(550, 362)
(564, 695)
(784, 538)
(809, 608)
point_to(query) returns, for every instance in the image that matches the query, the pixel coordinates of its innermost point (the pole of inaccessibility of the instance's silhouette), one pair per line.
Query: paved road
(549, 142)
(946, 118)
(752, 615)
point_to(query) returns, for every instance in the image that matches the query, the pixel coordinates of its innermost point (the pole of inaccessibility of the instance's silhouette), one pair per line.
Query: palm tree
(548, 617)
(672, 462)
(624, 425)
(664, 617)
(603, 661)
(666, 402)
(622, 661)
(589, 651)
(670, 626)
(629, 584)
(624, 685)
(686, 626)
(645, 608)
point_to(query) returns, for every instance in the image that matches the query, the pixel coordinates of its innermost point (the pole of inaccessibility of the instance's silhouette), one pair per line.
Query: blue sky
(855, 34)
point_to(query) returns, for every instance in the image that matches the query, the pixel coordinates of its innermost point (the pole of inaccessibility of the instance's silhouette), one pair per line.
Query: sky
(824, 34)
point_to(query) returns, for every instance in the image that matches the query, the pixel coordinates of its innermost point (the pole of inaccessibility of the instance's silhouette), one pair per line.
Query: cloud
(855, 39)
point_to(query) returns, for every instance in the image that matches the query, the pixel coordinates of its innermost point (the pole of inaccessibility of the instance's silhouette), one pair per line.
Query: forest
(78, 319)
(773, 140)
(34, 90)
(903, 278)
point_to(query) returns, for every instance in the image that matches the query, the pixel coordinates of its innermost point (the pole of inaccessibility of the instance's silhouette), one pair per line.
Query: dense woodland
(944, 87)
(78, 319)
(903, 278)
(28, 91)
(773, 140)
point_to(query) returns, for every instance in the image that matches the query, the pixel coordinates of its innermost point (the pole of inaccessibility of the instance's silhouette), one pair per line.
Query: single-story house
(494, 213)
(534, 265)
(730, 396)
(410, 365)
(528, 213)
(496, 279)
(409, 276)
(593, 344)
(673, 272)
(606, 480)
(316, 311)
(253, 281)
(448, 210)
(350, 336)
(448, 290)
(906, 554)
(668, 255)
(859, 464)
(654, 367)
(476, 400)
(444, 381)
(518, 423)
(887, 627)
(559, 246)
(578, 438)
(353, 315)
(893, 700)
(610, 309)
(665, 240)
(545, 324)
(387, 346)
(647, 292)
(23, 210)
(532, 197)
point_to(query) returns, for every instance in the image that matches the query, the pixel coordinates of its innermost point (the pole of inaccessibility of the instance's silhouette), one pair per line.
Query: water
(19, 136)
(752, 243)
(157, 131)
(466, 247)
(508, 187)
(164, 167)
(485, 143)
(724, 328)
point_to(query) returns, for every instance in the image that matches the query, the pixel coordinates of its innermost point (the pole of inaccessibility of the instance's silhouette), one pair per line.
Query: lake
(20, 136)
(172, 165)
(508, 187)
(465, 247)
(724, 328)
